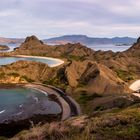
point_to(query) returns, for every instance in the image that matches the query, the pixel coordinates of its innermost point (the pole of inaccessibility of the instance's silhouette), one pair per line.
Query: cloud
(45, 18)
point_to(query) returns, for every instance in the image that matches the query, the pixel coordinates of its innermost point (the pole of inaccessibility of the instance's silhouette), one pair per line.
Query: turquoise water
(9, 60)
(19, 102)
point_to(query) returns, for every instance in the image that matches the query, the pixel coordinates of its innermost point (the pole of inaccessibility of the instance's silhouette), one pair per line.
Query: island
(4, 48)
(94, 91)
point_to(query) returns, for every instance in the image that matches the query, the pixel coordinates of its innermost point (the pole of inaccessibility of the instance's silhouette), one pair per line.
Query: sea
(107, 47)
(96, 47)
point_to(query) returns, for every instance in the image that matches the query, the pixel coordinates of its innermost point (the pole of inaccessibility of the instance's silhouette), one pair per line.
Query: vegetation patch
(27, 79)
(59, 80)
(13, 74)
(84, 97)
(122, 125)
(2, 75)
(73, 57)
(124, 75)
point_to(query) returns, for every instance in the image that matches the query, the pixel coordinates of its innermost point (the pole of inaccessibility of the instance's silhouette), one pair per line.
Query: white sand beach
(59, 61)
(136, 88)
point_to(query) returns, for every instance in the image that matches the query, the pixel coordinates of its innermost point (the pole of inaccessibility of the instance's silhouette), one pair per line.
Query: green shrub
(13, 74)
(124, 75)
(2, 75)
(27, 79)
(84, 97)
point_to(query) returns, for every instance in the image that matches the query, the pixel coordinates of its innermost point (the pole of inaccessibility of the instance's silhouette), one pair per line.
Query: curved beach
(59, 61)
(69, 106)
(135, 86)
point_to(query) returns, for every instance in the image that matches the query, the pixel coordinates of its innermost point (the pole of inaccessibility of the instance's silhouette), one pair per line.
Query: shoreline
(68, 104)
(59, 61)
(66, 110)
(135, 86)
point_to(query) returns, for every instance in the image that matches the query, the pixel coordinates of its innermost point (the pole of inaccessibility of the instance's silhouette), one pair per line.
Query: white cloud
(56, 17)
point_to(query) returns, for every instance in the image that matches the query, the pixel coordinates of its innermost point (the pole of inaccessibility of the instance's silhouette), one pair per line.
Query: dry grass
(123, 125)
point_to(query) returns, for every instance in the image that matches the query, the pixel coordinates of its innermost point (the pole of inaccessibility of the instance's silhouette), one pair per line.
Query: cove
(52, 62)
(19, 106)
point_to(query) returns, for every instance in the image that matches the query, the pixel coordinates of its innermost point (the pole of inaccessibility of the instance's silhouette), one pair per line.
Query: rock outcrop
(4, 48)
(33, 46)
(21, 72)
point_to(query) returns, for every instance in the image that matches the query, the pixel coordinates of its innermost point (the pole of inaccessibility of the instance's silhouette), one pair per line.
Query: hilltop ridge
(97, 80)
(83, 39)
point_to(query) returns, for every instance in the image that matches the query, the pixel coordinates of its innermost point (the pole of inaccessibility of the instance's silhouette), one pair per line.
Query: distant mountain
(83, 39)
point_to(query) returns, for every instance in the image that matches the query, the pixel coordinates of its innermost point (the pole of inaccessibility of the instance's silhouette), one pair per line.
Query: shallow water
(16, 103)
(9, 60)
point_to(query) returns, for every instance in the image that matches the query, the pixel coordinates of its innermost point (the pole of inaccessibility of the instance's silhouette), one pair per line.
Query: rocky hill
(97, 80)
(33, 46)
(85, 75)
(125, 64)
(81, 72)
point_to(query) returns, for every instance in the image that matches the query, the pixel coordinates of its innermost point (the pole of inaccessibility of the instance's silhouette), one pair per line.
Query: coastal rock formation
(134, 51)
(21, 72)
(33, 46)
(4, 48)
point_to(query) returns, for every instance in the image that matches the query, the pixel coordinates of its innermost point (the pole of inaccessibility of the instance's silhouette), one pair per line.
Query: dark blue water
(18, 101)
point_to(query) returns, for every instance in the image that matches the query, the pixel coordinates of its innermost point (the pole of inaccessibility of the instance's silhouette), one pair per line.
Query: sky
(51, 18)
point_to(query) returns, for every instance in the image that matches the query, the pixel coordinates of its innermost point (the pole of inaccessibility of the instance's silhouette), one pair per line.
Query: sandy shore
(59, 61)
(135, 87)
(66, 110)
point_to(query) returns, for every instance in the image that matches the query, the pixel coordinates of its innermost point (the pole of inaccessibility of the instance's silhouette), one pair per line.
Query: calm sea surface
(109, 47)
(17, 101)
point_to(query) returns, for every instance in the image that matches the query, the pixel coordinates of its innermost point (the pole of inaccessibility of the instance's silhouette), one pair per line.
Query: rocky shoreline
(24, 123)
(17, 123)
(59, 61)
